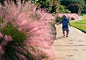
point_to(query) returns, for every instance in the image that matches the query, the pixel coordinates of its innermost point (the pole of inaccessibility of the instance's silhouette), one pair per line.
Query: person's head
(64, 16)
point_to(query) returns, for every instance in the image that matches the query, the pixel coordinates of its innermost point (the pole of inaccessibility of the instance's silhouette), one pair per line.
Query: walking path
(72, 47)
(77, 19)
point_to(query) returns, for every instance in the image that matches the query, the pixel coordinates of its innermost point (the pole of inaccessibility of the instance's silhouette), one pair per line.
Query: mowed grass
(81, 25)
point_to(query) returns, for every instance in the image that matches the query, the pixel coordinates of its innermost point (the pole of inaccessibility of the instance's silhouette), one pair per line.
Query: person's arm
(58, 23)
(69, 25)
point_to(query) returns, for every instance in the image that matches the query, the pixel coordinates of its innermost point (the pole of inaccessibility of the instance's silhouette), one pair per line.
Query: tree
(63, 10)
(85, 1)
(75, 8)
(51, 5)
(67, 2)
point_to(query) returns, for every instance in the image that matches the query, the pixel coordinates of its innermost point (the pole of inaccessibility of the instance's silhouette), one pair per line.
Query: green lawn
(80, 25)
(81, 14)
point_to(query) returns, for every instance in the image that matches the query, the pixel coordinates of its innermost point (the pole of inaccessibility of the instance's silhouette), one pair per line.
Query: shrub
(12, 44)
(75, 8)
(63, 10)
(71, 16)
(35, 23)
(58, 19)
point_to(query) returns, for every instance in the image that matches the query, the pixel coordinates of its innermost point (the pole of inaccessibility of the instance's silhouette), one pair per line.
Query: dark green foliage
(54, 28)
(67, 2)
(58, 19)
(54, 9)
(84, 10)
(18, 41)
(75, 8)
(85, 1)
(63, 10)
(44, 4)
(10, 52)
(2, 2)
(17, 36)
(53, 24)
(43, 56)
(49, 7)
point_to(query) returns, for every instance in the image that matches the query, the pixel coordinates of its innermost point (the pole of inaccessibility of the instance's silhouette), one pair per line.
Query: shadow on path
(60, 37)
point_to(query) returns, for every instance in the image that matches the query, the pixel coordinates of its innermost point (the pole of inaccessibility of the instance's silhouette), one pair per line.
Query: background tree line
(80, 6)
(66, 6)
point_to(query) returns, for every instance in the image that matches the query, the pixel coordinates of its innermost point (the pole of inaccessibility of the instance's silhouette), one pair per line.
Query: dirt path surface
(72, 47)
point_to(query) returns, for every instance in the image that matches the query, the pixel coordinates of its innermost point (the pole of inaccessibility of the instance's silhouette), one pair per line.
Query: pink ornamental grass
(22, 57)
(1, 35)
(35, 23)
(4, 43)
(72, 16)
(7, 38)
(0, 5)
(1, 50)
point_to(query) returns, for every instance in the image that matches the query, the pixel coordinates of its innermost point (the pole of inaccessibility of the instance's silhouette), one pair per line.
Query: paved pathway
(72, 47)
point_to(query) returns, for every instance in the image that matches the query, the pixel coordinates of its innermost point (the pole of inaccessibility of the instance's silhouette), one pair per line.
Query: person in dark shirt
(65, 22)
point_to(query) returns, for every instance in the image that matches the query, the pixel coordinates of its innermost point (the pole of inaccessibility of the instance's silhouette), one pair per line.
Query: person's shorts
(65, 29)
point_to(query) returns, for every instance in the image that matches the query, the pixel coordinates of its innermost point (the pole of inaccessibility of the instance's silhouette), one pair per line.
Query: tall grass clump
(25, 32)
(12, 45)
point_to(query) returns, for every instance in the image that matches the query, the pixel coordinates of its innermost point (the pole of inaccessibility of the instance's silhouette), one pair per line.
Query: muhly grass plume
(7, 38)
(35, 23)
(72, 16)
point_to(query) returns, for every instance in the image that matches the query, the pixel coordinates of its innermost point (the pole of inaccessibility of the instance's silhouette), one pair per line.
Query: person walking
(65, 22)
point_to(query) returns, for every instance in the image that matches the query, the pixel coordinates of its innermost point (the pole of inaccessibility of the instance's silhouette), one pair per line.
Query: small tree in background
(63, 10)
(75, 8)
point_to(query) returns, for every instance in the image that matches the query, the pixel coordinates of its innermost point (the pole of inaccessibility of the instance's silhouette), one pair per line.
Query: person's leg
(67, 32)
(63, 32)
